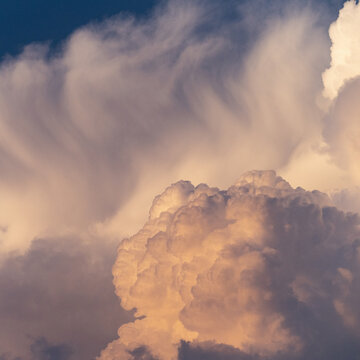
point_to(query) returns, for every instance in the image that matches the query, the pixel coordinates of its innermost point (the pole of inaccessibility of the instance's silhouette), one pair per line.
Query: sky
(179, 180)
(24, 22)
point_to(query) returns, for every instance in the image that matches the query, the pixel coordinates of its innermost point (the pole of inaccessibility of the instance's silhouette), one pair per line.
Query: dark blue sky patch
(26, 21)
(23, 21)
(141, 353)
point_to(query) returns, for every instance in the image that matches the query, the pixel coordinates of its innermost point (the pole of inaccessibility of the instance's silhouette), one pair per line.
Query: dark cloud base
(209, 351)
(57, 301)
(42, 350)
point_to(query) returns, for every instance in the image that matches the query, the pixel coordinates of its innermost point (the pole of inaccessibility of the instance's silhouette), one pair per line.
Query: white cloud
(345, 50)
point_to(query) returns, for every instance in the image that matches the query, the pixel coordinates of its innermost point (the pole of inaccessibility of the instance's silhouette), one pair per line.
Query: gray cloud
(59, 292)
(210, 351)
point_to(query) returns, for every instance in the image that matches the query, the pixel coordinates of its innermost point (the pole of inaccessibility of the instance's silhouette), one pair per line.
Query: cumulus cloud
(342, 84)
(261, 269)
(347, 199)
(345, 50)
(342, 130)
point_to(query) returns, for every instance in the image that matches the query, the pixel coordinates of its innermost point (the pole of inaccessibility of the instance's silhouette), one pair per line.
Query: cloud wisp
(127, 107)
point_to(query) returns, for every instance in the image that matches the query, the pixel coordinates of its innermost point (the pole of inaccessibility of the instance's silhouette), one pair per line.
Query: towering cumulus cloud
(261, 268)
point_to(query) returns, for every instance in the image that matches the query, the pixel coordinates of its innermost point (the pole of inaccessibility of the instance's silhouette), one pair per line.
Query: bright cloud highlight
(345, 50)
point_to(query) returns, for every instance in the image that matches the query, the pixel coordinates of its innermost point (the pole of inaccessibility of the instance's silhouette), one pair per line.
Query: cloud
(345, 49)
(262, 269)
(126, 107)
(342, 85)
(342, 130)
(347, 199)
(57, 300)
(42, 350)
(200, 91)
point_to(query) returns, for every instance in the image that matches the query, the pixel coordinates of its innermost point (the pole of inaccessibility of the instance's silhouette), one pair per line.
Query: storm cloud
(198, 90)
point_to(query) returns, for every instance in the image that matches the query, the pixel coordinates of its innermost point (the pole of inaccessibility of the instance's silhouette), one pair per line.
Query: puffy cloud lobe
(345, 50)
(342, 130)
(42, 350)
(347, 199)
(262, 268)
(210, 351)
(342, 85)
(99, 127)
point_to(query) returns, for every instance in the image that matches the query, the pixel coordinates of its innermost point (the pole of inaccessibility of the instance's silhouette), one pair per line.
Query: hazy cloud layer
(57, 300)
(263, 269)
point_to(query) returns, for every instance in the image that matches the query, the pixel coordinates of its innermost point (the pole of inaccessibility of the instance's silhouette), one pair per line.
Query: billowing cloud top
(261, 267)
(345, 49)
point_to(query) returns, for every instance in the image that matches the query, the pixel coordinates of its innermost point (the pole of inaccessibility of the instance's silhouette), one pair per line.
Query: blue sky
(24, 21)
